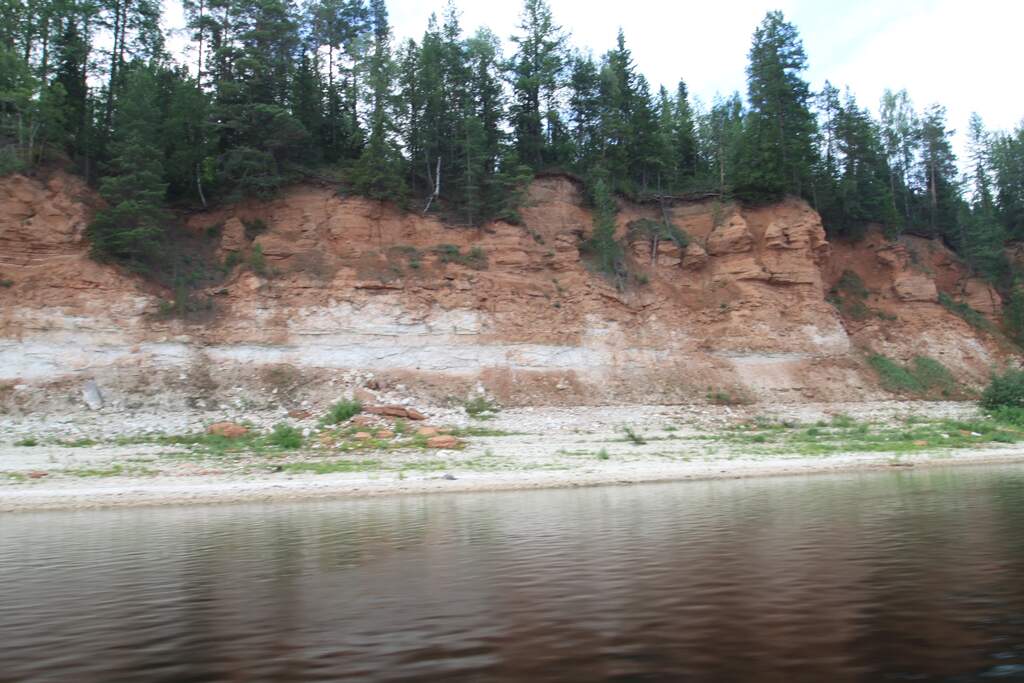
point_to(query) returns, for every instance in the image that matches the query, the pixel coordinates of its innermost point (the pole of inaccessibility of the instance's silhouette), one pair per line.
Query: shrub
(254, 227)
(849, 295)
(475, 258)
(285, 436)
(342, 411)
(480, 407)
(257, 261)
(635, 438)
(1005, 390)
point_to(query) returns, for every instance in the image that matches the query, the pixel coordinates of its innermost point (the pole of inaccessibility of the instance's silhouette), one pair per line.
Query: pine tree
(937, 172)
(777, 151)
(1007, 154)
(684, 142)
(379, 172)
(901, 137)
(720, 135)
(130, 229)
(536, 74)
(983, 237)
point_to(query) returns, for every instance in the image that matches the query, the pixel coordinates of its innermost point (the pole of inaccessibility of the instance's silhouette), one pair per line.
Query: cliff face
(356, 292)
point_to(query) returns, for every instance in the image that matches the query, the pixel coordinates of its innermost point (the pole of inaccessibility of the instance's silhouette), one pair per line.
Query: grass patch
(481, 408)
(27, 442)
(475, 258)
(116, 470)
(849, 296)
(923, 375)
(965, 312)
(333, 466)
(285, 437)
(632, 436)
(342, 411)
(846, 435)
(603, 454)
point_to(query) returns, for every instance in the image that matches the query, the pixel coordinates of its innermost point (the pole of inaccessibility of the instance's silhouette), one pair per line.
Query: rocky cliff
(353, 292)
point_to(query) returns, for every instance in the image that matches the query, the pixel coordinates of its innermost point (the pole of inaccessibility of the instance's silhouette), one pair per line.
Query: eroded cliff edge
(355, 292)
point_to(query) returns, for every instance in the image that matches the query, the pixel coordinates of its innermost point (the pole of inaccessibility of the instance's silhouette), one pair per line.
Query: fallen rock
(385, 434)
(363, 436)
(364, 396)
(37, 475)
(428, 431)
(363, 421)
(229, 430)
(92, 395)
(396, 411)
(299, 414)
(443, 441)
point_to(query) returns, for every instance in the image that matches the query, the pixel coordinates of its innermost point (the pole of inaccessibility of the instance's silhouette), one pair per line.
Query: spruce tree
(132, 225)
(536, 74)
(379, 172)
(777, 150)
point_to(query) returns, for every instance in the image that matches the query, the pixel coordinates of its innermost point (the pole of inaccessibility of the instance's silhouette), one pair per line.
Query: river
(903, 576)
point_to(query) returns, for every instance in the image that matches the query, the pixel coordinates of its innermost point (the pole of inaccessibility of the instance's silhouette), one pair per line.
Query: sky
(964, 55)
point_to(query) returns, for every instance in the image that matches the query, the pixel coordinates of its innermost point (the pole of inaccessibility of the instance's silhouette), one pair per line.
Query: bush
(920, 376)
(285, 436)
(480, 407)
(1004, 391)
(342, 411)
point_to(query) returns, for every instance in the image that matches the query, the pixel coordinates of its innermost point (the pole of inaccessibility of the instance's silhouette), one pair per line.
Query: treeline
(272, 91)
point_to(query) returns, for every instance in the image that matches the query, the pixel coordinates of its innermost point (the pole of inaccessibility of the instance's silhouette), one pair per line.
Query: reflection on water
(909, 576)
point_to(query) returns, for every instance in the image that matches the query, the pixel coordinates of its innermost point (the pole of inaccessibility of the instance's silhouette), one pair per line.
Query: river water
(904, 576)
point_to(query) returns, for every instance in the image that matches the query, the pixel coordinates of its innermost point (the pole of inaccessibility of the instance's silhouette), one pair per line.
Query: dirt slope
(358, 293)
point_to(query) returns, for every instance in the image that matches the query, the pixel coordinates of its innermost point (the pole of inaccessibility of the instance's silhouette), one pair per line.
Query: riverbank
(97, 459)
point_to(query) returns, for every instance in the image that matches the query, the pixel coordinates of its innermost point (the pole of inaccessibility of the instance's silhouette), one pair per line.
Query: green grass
(966, 313)
(116, 470)
(846, 435)
(27, 442)
(342, 411)
(633, 437)
(603, 454)
(922, 376)
(333, 466)
(285, 437)
(463, 432)
(481, 408)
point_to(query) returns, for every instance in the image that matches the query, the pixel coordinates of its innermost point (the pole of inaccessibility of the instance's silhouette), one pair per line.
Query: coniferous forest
(272, 92)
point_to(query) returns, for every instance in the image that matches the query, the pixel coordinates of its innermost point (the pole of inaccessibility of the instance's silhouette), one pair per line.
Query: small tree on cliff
(605, 251)
(130, 228)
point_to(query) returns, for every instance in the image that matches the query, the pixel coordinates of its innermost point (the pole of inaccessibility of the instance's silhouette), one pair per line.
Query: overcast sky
(965, 55)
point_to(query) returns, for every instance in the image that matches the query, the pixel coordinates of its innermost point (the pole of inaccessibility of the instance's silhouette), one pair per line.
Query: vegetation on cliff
(275, 91)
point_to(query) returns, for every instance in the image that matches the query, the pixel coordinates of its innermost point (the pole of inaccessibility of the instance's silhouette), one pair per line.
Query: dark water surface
(911, 576)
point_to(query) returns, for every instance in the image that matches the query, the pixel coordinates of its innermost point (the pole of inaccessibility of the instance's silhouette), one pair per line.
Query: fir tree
(777, 148)
(131, 227)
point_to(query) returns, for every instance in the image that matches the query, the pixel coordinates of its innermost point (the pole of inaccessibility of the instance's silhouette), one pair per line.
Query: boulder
(396, 411)
(229, 430)
(385, 434)
(363, 436)
(92, 395)
(443, 441)
(427, 431)
(694, 258)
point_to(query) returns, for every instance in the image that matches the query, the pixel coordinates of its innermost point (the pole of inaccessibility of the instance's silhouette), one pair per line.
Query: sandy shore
(523, 449)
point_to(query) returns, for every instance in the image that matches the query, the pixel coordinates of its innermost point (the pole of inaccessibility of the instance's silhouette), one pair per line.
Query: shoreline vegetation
(77, 463)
